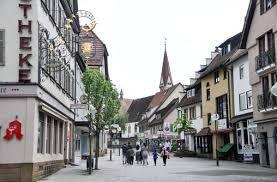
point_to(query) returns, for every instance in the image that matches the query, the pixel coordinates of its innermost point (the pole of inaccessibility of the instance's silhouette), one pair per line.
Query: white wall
(132, 133)
(14, 150)
(198, 122)
(241, 85)
(10, 13)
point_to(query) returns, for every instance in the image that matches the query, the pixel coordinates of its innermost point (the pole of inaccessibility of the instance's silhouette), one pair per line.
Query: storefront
(204, 143)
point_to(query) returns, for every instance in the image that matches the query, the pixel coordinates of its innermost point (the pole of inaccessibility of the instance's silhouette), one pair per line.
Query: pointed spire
(166, 78)
(121, 94)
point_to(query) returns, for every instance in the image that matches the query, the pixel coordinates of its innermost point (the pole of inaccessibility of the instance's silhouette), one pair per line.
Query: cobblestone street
(177, 170)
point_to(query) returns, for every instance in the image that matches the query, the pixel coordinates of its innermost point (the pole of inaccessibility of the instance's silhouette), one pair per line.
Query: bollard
(110, 155)
(119, 150)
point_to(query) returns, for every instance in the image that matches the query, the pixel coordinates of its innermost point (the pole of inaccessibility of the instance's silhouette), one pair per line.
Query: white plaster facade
(42, 94)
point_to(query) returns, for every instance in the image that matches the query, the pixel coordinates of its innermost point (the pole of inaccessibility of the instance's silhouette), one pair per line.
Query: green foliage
(103, 97)
(184, 123)
(121, 119)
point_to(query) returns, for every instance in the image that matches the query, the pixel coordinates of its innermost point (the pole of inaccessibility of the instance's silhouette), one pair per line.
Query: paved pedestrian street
(177, 170)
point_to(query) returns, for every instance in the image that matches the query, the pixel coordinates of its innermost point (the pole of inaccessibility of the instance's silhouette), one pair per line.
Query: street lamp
(215, 118)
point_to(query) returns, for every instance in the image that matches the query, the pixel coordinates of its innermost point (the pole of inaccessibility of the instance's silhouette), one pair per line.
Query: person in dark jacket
(124, 153)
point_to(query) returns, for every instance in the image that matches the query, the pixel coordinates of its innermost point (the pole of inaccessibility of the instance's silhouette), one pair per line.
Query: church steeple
(166, 78)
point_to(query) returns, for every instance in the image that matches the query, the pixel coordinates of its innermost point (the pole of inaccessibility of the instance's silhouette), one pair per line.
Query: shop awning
(225, 148)
(241, 117)
(204, 132)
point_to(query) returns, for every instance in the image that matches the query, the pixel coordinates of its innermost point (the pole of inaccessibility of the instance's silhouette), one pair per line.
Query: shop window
(48, 136)
(55, 137)
(61, 137)
(40, 132)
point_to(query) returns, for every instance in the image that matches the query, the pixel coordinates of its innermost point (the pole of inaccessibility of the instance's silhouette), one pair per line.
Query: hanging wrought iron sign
(88, 16)
(53, 51)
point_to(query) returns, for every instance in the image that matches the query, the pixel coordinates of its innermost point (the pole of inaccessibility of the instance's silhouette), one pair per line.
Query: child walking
(155, 156)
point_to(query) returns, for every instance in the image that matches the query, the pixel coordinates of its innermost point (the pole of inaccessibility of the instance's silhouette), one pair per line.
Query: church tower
(166, 78)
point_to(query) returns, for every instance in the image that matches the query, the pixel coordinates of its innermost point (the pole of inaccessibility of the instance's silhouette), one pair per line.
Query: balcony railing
(267, 102)
(265, 61)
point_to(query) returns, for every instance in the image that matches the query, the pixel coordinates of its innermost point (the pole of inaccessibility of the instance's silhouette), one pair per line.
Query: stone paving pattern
(177, 170)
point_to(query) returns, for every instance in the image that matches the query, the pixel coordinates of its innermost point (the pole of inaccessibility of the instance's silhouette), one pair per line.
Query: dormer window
(191, 93)
(158, 116)
(226, 49)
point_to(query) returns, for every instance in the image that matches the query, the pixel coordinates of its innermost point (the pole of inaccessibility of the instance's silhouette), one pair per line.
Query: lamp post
(91, 117)
(215, 118)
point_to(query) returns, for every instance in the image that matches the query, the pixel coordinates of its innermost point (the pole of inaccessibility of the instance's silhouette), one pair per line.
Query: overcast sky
(134, 32)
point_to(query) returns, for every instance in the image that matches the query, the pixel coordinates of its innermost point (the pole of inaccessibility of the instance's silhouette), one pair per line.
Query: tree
(182, 124)
(104, 98)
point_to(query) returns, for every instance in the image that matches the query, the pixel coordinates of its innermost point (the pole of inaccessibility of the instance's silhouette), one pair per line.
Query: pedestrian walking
(138, 154)
(124, 153)
(165, 155)
(144, 154)
(155, 157)
(131, 153)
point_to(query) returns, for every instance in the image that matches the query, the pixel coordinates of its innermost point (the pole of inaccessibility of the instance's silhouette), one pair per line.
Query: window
(222, 106)
(242, 101)
(2, 47)
(265, 5)
(191, 93)
(201, 111)
(209, 118)
(261, 45)
(192, 113)
(207, 84)
(273, 78)
(55, 137)
(249, 99)
(225, 74)
(186, 113)
(61, 138)
(271, 44)
(48, 137)
(208, 93)
(40, 133)
(216, 77)
(171, 128)
(241, 71)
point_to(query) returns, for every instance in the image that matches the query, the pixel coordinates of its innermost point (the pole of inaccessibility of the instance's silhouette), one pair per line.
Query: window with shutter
(2, 47)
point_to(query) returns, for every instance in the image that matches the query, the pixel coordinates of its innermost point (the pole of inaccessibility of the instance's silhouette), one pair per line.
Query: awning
(241, 117)
(204, 132)
(222, 131)
(225, 148)
(190, 132)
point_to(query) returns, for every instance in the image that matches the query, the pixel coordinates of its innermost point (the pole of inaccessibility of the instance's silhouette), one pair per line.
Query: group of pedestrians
(141, 154)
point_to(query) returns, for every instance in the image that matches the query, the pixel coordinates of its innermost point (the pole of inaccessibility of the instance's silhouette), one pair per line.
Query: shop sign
(14, 129)
(247, 154)
(222, 124)
(25, 26)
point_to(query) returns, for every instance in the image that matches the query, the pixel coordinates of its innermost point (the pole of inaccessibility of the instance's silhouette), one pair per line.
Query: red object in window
(13, 129)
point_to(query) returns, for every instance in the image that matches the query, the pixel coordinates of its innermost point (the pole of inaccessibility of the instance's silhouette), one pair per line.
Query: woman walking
(155, 156)
(138, 154)
(165, 155)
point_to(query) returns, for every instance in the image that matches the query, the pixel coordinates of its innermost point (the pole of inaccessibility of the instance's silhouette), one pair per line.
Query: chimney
(203, 66)
(197, 75)
(192, 80)
(215, 53)
(208, 61)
